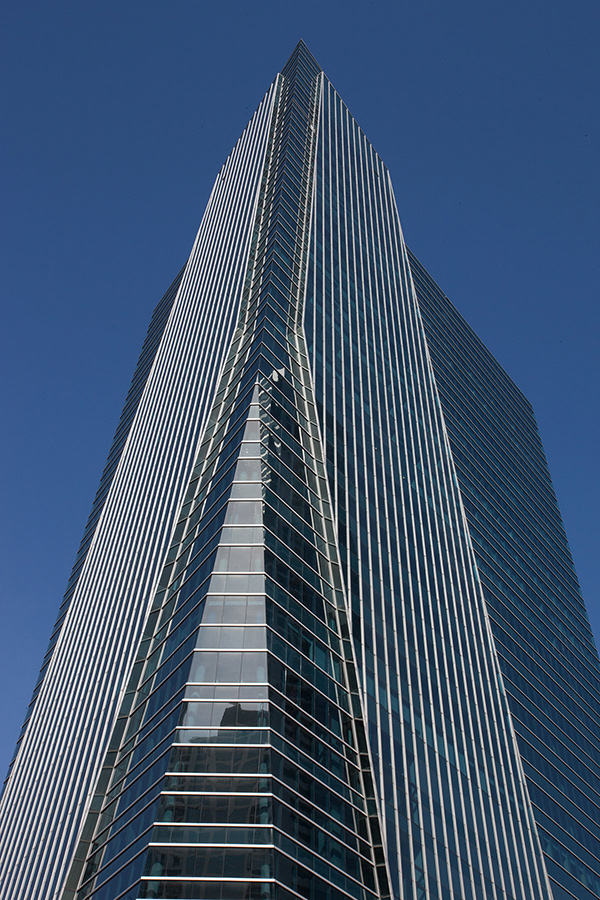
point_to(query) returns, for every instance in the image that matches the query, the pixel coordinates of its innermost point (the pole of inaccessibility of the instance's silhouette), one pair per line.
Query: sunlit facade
(323, 637)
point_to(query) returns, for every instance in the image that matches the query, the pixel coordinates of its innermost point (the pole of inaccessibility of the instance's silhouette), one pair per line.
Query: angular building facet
(323, 637)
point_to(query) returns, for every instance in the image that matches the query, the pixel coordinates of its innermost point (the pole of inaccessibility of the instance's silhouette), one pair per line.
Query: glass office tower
(323, 638)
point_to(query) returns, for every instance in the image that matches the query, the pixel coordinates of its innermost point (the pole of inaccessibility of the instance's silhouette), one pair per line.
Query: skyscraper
(323, 637)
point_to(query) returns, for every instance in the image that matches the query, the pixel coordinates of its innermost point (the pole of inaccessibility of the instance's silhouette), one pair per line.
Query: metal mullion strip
(390, 514)
(452, 800)
(311, 773)
(334, 235)
(415, 754)
(319, 855)
(424, 379)
(362, 378)
(426, 418)
(360, 461)
(425, 594)
(375, 242)
(386, 261)
(436, 523)
(347, 438)
(361, 150)
(320, 156)
(432, 469)
(366, 378)
(399, 509)
(411, 501)
(357, 380)
(328, 298)
(218, 879)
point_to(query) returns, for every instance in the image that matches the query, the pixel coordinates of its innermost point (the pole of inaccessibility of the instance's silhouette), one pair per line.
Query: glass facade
(345, 653)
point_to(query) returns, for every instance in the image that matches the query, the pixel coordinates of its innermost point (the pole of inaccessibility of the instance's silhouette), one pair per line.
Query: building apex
(301, 49)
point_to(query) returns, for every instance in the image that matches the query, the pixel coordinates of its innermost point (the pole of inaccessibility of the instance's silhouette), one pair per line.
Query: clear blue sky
(116, 119)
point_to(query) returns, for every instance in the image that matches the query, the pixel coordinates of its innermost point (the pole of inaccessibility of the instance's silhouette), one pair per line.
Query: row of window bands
(309, 780)
(282, 584)
(220, 760)
(332, 770)
(233, 610)
(218, 862)
(352, 866)
(207, 515)
(221, 736)
(229, 692)
(326, 655)
(518, 571)
(319, 830)
(282, 484)
(312, 619)
(287, 505)
(229, 863)
(229, 890)
(239, 559)
(305, 743)
(216, 637)
(299, 827)
(209, 782)
(228, 666)
(211, 834)
(292, 488)
(225, 809)
(243, 862)
(286, 442)
(256, 715)
(193, 890)
(224, 715)
(330, 683)
(221, 458)
(332, 719)
(232, 637)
